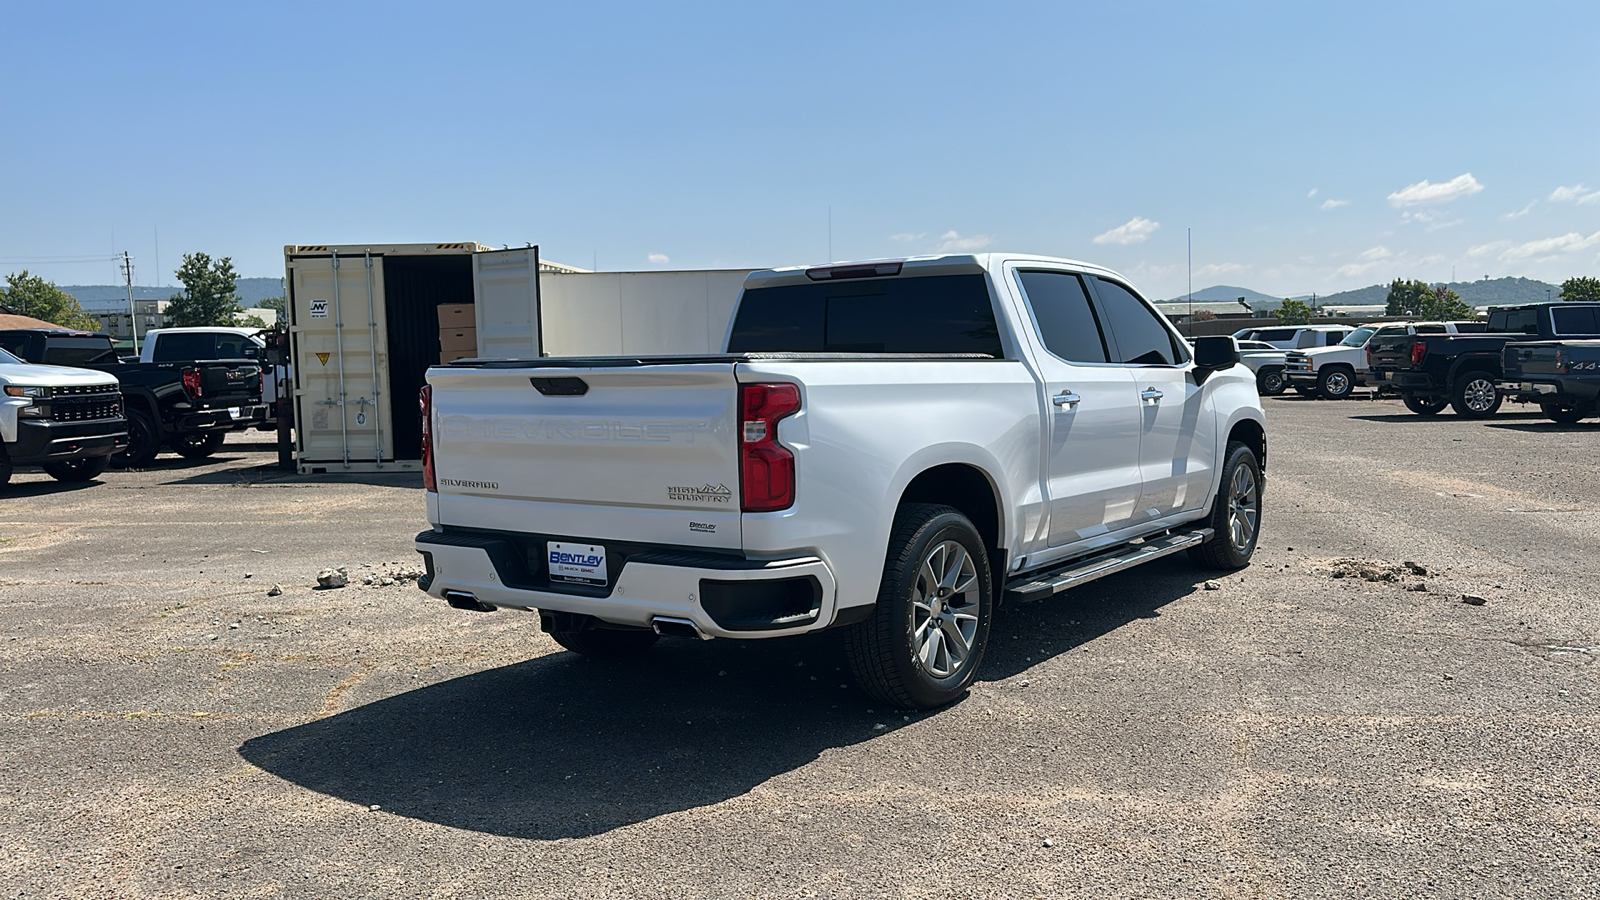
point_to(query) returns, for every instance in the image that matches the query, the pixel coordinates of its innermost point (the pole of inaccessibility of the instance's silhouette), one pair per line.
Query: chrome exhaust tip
(667, 626)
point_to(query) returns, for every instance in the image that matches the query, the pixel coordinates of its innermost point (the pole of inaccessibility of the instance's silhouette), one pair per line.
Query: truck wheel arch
(1250, 433)
(970, 490)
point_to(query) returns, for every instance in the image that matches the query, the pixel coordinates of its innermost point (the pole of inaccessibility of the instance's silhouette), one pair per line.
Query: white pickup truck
(67, 421)
(888, 447)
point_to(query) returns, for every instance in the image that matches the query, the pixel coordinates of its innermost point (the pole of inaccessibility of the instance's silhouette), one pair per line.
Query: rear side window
(1333, 338)
(234, 346)
(1430, 329)
(78, 351)
(13, 342)
(184, 347)
(1471, 327)
(937, 314)
(1515, 321)
(1067, 325)
(1141, 338)
(1277, 334)
(1580, 320)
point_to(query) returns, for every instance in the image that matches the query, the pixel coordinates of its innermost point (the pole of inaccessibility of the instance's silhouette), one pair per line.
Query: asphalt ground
(168, 729)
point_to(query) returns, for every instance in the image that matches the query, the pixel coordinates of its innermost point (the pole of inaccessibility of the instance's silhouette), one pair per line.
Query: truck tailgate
(1391, 352)
(643, 453)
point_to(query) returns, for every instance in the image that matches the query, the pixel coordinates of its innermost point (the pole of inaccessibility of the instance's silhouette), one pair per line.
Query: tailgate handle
(561, 387)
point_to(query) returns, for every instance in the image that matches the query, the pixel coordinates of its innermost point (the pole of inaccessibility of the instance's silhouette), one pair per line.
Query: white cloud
(1418, 216)
(953, 242)
(1353, 270)
(1578, 193)
(1312, 194)
(1135, 231)
(1450, 224)
(1334, 204)
(1378, 252)
(1549, 247)
(659, 258)
(1213, 269)
(1521, 212)
(1486, 249)
(1426, 192)
(907, 237)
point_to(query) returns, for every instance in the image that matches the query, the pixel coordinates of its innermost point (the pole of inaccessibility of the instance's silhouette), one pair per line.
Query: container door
(341, 364)
(506, 289)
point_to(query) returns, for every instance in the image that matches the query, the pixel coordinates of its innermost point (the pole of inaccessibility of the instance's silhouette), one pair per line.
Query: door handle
(1150, 395)
(1066, 398)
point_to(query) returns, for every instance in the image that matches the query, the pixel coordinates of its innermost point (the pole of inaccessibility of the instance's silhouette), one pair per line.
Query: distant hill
(1223, 293)
(1489, 292)
(108, 297)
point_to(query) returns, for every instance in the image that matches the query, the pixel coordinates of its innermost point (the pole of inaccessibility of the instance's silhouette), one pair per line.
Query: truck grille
(85, 403)
(1296, 363)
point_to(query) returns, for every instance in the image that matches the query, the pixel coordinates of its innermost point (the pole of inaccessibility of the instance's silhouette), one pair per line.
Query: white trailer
(367, 320)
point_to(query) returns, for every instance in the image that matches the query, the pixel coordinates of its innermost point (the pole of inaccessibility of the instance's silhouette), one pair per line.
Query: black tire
(1425, 406)
(82, 469)
(197, 445)
(1231, 515)
(883, 649)
(1304, 391)
(1474, 395)
(607, 643)
(1565, 413)
(144, 442)
(1335, 382)
(5, 468)
(1271, 382)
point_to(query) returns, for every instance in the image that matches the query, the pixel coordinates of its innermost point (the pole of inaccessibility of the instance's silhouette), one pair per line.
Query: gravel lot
(1317, 726)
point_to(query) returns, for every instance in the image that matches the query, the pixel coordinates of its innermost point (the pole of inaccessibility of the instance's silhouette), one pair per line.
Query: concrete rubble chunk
(333, 578)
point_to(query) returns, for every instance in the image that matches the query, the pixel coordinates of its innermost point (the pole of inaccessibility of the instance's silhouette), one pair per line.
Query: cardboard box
(458, 339)
(458, 315)
(450, 356)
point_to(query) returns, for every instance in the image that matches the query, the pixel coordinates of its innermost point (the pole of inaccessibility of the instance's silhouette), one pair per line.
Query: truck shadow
(564, 747)
(1545, 426)
(1443, 418)
(270, 474)
(19, 489)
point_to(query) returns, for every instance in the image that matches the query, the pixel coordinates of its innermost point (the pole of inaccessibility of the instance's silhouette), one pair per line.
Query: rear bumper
(1566, 392)
(723, 596)
(1405, 381)
(44, 441)
(226, 418)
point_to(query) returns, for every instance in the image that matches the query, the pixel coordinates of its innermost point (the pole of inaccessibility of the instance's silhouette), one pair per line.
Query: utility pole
(133, 318)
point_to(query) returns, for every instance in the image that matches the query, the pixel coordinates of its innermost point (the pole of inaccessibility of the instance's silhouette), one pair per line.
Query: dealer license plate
(576, 563)
(234, 411)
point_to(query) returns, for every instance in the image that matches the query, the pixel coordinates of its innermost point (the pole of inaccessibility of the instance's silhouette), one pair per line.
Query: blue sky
(1310, 147)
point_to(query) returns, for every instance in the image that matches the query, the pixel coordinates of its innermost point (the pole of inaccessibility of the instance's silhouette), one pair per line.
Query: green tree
(278, 304)
(1406, 298)
(1581, 289)
(210, 292)
(1441, 304)
(1292, 312)
(32, 296)
(250, 321)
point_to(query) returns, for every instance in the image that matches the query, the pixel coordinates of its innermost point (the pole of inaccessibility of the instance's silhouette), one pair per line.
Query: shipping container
(367, 321)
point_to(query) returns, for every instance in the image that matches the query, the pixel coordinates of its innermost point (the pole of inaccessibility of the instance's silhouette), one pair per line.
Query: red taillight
(191, 383)
(766, 467)
(261, 382)
(1563, 365)
(425, 401)
(1418, 351)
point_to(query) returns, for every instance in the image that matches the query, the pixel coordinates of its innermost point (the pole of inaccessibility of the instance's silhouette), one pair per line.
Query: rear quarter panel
(866, 429)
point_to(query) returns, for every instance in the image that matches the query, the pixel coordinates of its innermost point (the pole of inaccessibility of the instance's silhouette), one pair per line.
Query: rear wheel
(607, 643)
(1270, 382)
(144, 441)
(1235, 514)
(198, 445)
(5, 467)
(1565, 413)
(922, 646)
(81, 469)
(1335, 382)
(1425, 406)
(1475, 396)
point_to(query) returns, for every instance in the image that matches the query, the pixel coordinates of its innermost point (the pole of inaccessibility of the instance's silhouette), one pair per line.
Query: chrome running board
(1039, 585)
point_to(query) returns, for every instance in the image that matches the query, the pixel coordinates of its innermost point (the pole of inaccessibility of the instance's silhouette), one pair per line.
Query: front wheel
(1235, 514)
(1475, 395)
(1270, 382)
(922, 646)
(1425, 406)
(1335, 383)
(81, 469)
(198, 445)
(1565, 413)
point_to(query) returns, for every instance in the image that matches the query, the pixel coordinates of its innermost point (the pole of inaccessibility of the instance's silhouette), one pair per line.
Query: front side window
(1141, 338)
(1579, 320)
(1066, 320)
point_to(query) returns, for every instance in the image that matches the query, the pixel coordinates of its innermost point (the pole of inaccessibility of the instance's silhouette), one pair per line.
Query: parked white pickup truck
(67, 421)
(888, 447)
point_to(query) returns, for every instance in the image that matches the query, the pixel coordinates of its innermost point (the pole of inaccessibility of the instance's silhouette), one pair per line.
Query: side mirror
(1213, 353)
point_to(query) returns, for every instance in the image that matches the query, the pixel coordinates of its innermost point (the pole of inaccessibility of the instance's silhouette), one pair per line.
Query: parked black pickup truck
(1563, 377)
(1463, 371)
(188, 407)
